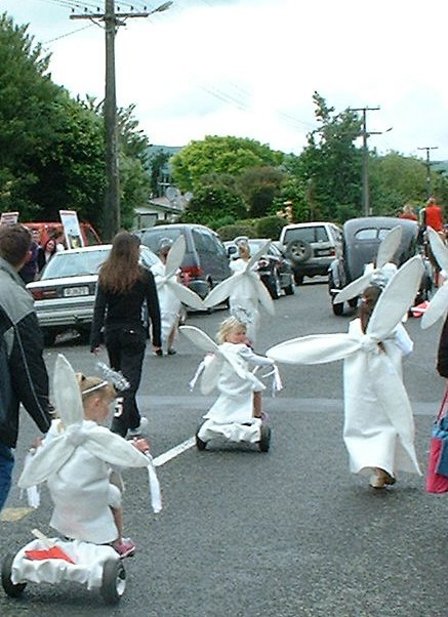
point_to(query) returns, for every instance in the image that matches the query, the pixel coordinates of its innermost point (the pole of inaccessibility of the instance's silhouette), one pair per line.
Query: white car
(64, 296)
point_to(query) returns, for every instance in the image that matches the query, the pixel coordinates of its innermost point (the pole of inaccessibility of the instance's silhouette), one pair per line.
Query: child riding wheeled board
(237, 413)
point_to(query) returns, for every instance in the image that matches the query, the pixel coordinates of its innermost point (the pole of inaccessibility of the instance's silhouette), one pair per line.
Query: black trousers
(126, 350)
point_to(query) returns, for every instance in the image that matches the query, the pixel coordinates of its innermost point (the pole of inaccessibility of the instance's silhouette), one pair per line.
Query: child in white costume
(76, 458)
(379, 426)
(237, 413)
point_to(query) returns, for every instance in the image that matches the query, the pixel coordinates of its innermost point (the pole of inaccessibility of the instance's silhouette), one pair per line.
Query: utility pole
(112, 20)
(365, 157)
(428, 168)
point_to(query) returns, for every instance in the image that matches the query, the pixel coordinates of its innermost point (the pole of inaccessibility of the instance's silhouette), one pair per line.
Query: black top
(442, 355)
(121, 310)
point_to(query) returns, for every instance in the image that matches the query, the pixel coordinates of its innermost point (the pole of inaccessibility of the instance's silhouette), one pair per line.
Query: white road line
(170, 454)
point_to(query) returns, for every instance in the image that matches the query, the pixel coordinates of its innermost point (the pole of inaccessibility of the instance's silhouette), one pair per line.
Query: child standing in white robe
(244, 299)
(373, 433)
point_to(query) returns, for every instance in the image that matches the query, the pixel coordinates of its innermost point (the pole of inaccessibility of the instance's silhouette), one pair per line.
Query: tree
(259, 187)
(330, 164)
(211, 205)
(220, 155)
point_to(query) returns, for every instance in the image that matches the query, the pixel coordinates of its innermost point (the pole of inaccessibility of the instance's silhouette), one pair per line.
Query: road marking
(170, 454)
(11, 515)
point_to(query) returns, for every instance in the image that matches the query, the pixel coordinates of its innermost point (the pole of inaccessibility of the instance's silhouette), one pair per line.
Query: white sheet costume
(438, 306)
(170, 291)
(76, 462)
(228, 368)
(379, 426)
(245, 292)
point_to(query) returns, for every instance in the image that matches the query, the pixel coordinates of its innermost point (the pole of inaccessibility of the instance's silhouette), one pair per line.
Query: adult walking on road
(23, 375)
(123, 288)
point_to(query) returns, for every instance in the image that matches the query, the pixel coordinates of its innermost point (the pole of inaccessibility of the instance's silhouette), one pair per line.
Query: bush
(269, 227)
(229, 232)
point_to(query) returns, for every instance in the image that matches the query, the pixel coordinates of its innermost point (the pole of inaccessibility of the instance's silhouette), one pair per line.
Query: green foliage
(259, 187)
(269, 227)
(211, 203)
(331, 164)
(229, 232)
(218, 155)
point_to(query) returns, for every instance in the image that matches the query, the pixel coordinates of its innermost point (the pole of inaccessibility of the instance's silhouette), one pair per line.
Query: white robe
(245, 295)
(82, 495)
(378, 432)
(232, 413)
(168, 302)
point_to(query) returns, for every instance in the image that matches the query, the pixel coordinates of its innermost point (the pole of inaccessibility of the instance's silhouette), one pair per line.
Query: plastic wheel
(11, 589)
(265, 438)
(338, 308)
(200, 445)
(114, 581)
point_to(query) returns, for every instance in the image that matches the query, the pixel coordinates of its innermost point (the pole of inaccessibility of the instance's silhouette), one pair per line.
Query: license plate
(70, 292)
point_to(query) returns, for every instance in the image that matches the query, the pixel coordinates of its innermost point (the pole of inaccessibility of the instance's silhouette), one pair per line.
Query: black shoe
(171, 351)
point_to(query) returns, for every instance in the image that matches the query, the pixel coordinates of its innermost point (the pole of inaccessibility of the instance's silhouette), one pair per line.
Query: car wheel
(298, 279)
(49, 337)
(298, 251)
(275, 288)
(338, 308)
(289, 290)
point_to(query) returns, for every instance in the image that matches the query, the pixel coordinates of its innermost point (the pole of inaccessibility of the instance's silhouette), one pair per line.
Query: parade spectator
(123, 287)
(433, 216)
(45, 253)
(408, 213)
(23, 375)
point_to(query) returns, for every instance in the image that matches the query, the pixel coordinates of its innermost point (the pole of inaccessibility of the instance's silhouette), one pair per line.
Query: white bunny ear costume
(228, 370)
(172, 293)
(378, 428)
(438, 306)
(245, 292)
(383, 267)
(75, 462)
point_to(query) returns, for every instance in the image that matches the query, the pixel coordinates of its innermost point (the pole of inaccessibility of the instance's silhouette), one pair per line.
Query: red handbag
(435, 482)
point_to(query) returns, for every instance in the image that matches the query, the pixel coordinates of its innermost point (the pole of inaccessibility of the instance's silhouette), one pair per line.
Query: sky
(249, 67)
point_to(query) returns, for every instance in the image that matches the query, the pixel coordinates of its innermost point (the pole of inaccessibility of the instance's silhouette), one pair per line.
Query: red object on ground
(417, 311)
(48, 553)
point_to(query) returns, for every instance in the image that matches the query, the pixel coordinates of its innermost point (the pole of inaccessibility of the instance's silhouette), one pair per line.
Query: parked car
(64, 296)
(274, 268)
(311, 247)
(360, 241)
(205, 263)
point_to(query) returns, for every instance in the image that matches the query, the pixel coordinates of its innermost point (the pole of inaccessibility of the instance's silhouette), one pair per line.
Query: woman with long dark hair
(123, 287)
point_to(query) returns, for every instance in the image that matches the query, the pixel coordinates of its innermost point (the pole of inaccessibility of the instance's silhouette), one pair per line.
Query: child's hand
(36, 443)
(141, 444)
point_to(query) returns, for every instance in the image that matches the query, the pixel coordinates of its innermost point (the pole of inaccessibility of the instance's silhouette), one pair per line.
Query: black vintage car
(361, 239)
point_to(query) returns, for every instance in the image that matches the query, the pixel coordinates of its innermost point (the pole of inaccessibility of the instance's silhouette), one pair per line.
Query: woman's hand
(141, 444)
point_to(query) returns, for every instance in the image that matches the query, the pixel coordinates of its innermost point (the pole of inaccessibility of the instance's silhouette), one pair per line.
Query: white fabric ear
(200, 339)
(389, 246)
(314, 349)
(66, 392)
(353, 289)
(212, 370)
(438, 248)
(175, 256)
(222, 291)
(396, 299)
(437, 307)
(185, 295)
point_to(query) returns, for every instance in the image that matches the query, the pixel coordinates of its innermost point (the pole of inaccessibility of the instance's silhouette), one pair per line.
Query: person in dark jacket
(442, 354)
(23, 375)
(123, 288)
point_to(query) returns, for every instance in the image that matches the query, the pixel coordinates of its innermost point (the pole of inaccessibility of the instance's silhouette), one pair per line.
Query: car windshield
(80, 263)
(152, 237)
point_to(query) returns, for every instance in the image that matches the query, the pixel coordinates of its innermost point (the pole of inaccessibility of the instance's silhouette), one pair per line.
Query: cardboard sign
(9, 218)
(72, 230)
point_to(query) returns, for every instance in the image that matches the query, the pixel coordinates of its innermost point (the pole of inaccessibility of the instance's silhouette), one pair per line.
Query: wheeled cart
(54, 560)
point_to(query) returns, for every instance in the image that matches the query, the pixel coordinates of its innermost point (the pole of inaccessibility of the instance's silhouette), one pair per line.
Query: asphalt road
(290, 533)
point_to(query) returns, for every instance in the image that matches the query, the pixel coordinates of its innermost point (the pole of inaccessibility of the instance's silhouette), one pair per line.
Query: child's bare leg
(117, 513)
(257, 407)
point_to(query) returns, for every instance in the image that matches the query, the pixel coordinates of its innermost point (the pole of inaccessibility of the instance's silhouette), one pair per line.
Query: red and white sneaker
(125, 548)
